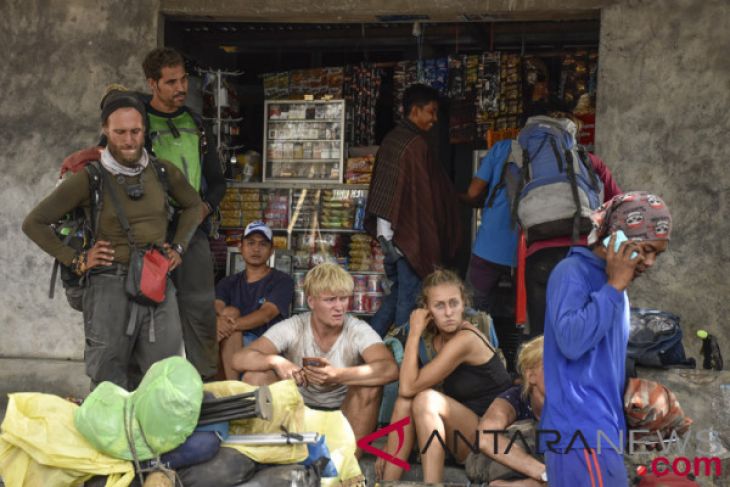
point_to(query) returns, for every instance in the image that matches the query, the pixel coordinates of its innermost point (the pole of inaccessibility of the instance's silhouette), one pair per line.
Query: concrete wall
(56, 59)
(663, 94)
(369, 10)
(662, 125)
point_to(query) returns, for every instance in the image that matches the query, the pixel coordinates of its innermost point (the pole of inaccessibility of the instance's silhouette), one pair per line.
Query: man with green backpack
(176, 134)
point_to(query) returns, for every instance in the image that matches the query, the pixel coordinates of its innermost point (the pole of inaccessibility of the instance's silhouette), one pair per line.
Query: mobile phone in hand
(620, 238)
(311, 362)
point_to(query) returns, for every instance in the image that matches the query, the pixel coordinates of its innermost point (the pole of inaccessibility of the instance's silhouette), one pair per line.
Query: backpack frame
(517, 174)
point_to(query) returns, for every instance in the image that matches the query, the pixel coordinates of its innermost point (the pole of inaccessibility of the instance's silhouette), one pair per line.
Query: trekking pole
(520, 289)
(273, 439)
(255, 404)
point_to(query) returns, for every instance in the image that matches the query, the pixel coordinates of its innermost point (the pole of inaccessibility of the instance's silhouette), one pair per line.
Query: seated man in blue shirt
(251, 301)
(586, 335)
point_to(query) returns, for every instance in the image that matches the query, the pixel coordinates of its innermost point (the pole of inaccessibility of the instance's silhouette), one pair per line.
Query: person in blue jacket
(586, 334)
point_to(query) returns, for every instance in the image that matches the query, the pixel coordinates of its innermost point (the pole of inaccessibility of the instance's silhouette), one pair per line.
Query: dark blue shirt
(521, 404)
(276, 288)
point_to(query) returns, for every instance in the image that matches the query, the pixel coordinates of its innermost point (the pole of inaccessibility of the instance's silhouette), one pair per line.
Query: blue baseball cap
(260, 227)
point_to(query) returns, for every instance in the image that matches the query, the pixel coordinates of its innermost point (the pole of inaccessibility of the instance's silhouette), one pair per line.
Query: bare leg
(229, 346)
(257, 378)
(386, 471)
(433, 411)
(360, 407)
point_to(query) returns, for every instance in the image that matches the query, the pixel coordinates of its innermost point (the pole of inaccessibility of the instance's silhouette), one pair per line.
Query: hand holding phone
(620, 238)
(311, 362)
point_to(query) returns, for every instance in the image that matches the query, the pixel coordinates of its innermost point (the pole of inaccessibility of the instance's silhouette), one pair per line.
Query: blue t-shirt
(586, 333)
(276, 287)
(496, 239)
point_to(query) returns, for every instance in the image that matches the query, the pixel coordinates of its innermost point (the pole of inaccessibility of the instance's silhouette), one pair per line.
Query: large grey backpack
(550, 181)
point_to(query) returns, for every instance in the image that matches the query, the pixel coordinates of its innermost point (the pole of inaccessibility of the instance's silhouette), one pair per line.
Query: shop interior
(298, 110)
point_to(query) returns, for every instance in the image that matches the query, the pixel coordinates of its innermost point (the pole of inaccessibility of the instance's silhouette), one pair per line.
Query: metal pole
(273, 439)
(218, 108)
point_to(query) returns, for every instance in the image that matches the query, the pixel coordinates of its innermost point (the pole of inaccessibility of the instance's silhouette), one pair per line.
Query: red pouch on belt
(147, 277)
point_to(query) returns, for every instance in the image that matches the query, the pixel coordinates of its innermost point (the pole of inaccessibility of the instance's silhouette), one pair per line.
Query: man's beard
(126, 160)
(179, 103)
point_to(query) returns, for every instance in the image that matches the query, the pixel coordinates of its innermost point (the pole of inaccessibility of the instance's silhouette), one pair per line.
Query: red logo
(364, 443)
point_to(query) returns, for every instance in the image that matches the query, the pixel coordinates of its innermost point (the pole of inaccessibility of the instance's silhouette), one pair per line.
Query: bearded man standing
(121, 335)
(177, 134)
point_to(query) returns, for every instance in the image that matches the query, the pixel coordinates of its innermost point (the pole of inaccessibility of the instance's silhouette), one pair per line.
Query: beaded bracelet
(79, 263)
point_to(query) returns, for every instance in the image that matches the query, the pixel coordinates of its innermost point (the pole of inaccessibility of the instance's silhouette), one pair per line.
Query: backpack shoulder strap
(502, 179)
(162, 176)
(516, 153)
(95, 194)
(585, 159)
(572, 179)
(523, 178)
(200, 123)
(161, 172)
(197, 119)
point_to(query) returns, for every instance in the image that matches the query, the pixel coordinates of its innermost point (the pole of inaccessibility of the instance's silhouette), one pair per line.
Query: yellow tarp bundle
(340, 442)
(289, 410)
(39, 445)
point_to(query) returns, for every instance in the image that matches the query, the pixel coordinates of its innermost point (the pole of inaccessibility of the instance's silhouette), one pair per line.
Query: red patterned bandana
(641, 215)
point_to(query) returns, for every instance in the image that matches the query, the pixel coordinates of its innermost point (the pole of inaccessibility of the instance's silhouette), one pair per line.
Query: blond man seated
(337, 360)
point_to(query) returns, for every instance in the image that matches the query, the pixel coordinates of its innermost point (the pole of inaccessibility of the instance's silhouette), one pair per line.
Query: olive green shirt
(147, 216)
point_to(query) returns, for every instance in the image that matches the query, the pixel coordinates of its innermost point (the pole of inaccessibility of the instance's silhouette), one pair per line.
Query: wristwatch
(178, 248)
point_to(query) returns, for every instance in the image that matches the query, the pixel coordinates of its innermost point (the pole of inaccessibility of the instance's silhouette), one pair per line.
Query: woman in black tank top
(467, 367)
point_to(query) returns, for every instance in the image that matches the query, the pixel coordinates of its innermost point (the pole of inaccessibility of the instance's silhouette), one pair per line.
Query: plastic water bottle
(297, 478)
(710, 351)
(724, 410)
(721, 424)
(360, 215)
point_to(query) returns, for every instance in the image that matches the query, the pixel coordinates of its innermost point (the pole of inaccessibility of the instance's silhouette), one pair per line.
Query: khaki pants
(481, 469)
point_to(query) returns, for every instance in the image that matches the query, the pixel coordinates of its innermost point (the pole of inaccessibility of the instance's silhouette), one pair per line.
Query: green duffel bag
(100, 419)
(157, 417)
(167, 403)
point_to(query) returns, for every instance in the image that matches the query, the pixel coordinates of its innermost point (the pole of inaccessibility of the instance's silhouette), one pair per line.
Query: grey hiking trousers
(123, 339)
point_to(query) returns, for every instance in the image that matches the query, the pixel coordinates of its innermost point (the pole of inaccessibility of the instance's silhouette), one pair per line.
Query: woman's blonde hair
(439, 277)
(529, 358)
(327, 277)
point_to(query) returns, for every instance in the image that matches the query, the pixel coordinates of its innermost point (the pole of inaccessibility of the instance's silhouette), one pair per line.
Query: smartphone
(620, 238)
(311, 362)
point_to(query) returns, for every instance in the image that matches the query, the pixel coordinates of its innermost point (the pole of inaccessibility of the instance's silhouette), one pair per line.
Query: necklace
(321, 341)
